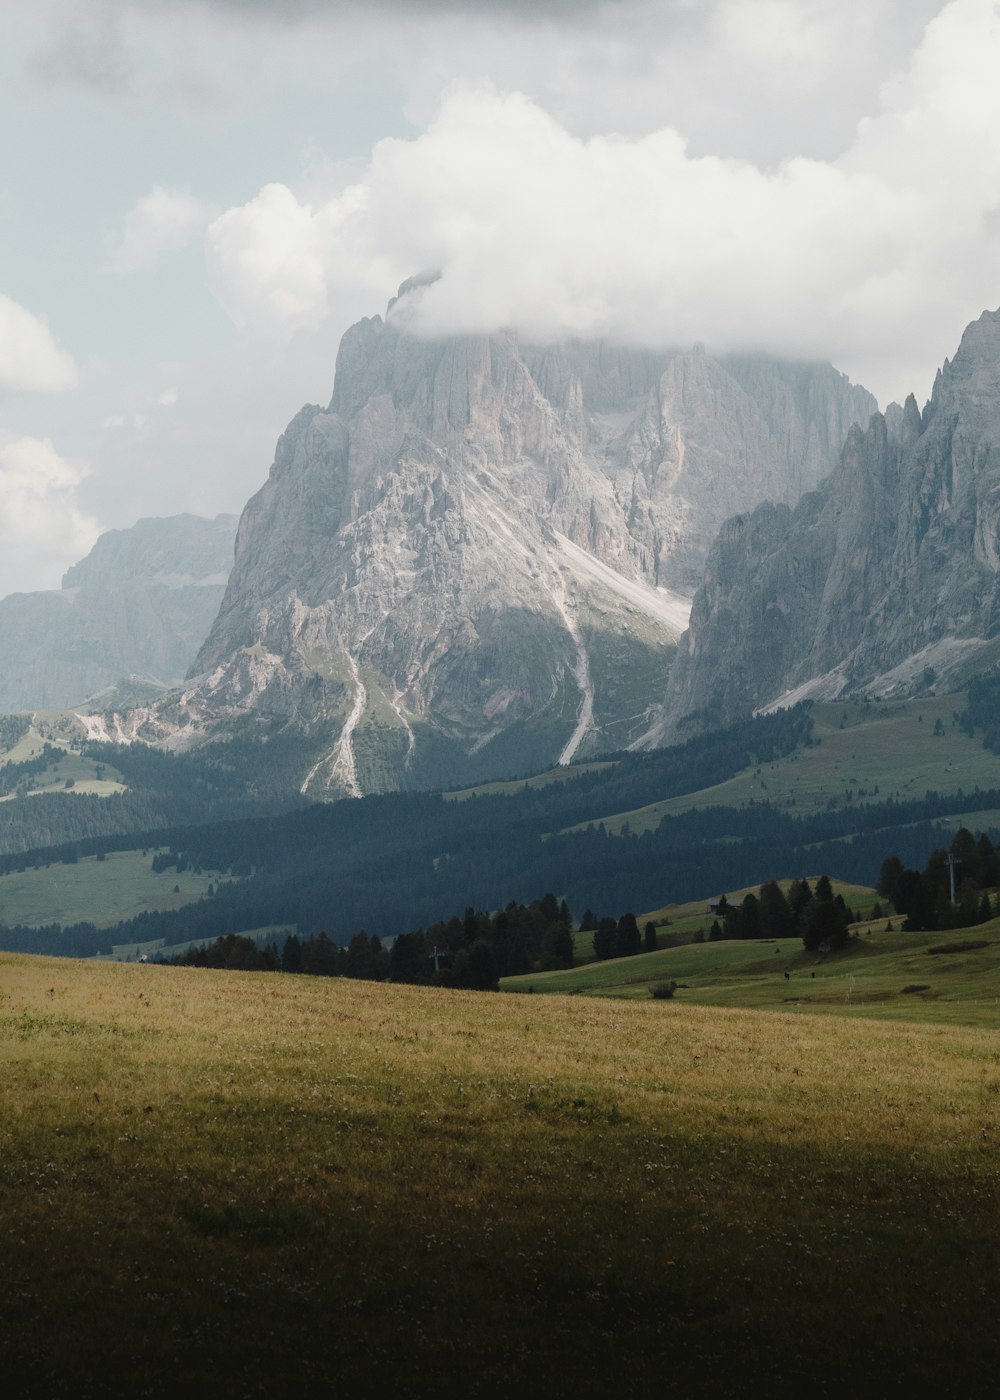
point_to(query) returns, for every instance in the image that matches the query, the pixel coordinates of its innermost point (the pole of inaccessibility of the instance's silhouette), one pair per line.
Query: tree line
(968, 866)
(473, 951)
(817, 915)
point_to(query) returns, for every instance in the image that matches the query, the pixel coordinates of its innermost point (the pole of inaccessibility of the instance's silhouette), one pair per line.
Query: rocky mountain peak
(887, 575)
(477, 558)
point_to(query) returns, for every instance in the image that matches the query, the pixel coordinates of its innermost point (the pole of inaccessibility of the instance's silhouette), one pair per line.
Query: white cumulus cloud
(269, 260)
(42, 525)
(30, 359)
(161, 222)
(781, 29)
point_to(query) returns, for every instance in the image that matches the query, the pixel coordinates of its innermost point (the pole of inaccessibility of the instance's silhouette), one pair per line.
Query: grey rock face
(885, 579)
(477, 559)
(139, 604)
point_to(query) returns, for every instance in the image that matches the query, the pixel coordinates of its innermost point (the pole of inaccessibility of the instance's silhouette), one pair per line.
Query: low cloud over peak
(642, 241)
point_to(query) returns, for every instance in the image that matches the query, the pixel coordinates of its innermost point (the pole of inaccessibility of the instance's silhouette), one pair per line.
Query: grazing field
(100, 892)
(866, 753)
(72, 771)
(249, 1184)
(922, 977)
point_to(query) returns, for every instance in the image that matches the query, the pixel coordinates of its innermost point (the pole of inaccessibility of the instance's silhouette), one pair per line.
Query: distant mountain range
(884, 581)
(477, 560)
(138, 606)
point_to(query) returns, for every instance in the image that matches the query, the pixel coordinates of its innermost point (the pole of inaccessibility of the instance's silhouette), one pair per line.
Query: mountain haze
(139, 604)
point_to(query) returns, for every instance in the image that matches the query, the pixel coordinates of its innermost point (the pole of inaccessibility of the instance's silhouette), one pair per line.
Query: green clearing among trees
(102, 892)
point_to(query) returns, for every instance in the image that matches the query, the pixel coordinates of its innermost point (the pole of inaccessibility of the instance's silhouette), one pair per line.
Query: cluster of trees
(969, 866)
(818, 916)
(17, 777)
(982, 710)
(618, 938)
(473, 951)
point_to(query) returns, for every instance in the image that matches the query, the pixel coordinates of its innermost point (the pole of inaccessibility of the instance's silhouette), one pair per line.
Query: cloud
(41, 523)
(292, 11)
(161, 222)
(882, 251)
(30, 359)
(268, 260)
(86, 50)
(781, 29)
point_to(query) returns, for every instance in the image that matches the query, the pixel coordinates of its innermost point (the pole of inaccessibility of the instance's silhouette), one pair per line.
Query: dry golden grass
(245, 1184)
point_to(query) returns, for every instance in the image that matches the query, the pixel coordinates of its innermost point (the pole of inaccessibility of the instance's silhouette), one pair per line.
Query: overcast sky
(197, 197)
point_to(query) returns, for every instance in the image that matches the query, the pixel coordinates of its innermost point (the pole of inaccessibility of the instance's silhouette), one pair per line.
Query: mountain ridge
(137, 606)
(883, 580)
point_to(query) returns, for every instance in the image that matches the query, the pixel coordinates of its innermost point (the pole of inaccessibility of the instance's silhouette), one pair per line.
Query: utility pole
(952, 862)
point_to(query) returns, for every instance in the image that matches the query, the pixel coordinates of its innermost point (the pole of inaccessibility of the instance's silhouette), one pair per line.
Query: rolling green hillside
(939, 978)
(860, 753)
(53, 740)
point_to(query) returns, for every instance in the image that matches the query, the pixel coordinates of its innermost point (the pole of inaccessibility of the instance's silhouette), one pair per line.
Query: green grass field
(101, 892)
(866, 753)
(254, 1185)
(868, 979)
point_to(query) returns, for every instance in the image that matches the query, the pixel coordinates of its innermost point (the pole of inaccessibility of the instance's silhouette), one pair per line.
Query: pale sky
(197, 197)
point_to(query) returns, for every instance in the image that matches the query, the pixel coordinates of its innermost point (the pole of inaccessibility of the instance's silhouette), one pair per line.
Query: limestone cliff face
(140, 604)
(478, 558)
(884, 580)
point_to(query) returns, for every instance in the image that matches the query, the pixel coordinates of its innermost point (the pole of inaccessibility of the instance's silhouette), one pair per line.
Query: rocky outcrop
(140, 604)
(885, 580)
(478, 558)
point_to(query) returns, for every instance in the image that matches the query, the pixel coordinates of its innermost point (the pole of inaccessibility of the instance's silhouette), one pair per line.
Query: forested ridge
(216, 782)
(394, 862)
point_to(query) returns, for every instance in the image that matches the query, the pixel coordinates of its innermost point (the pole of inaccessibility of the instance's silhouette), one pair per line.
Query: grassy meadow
(948, 978)
(865, 753)
(72, 771)
(253, 1185)
(101, 892)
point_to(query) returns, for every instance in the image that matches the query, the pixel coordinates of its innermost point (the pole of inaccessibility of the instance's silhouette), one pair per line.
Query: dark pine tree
(628, 940)
(604, 939)
(750, 920)
(776, 917)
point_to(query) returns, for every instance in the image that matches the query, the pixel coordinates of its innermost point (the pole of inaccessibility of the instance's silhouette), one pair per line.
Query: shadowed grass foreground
(244, 1185)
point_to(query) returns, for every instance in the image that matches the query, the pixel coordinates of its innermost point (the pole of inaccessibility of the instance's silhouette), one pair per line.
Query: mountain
(139, 605)
(884, 581)
(478, 558)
